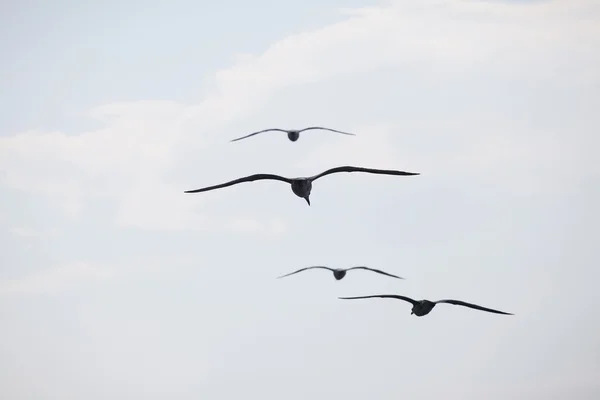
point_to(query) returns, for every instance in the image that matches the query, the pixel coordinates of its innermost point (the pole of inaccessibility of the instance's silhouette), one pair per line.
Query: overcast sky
(114, 284)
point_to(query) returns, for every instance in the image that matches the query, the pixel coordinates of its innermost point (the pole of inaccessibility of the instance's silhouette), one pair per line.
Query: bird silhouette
(424, 307)
(302, 186)
(339, 273)
(292, 134)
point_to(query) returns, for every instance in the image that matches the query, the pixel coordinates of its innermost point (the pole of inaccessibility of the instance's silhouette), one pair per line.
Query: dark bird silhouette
(424, 307)
(302, 186)
(292, 134)
(339, 273)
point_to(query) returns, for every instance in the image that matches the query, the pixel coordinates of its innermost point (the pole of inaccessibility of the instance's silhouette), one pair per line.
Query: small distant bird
(424, 307)
(339, 273)
(292, 134)
(302, 186)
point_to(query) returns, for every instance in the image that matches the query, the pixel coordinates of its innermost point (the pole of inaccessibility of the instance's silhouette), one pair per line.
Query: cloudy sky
(116, 285)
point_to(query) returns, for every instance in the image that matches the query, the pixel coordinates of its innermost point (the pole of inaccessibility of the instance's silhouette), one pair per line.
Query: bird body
(302, 186)
(421, 308)
(292, 134)
(339, 273)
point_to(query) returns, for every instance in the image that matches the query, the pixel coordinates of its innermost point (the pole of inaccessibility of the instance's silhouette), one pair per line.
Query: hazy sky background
(116, 285)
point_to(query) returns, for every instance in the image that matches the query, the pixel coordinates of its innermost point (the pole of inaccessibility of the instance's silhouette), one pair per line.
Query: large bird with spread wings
(424, 307)
(292, 134)
(302, 186)
(339, 273)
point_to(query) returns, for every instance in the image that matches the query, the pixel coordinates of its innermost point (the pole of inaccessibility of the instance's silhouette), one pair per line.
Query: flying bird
(339, 273)
(424, 307)
(292, 134)
(301, 186)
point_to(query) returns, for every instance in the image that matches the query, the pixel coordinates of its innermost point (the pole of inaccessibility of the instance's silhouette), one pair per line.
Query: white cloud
(54, 280)
(81, 274)
(28, 233)
(373, 149)
(273, 228)
(129, 160)
(158, 206)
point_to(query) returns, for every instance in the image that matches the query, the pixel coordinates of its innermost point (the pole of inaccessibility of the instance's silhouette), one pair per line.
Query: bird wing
(326, 129)
(475, 306)
(304, 269)
(361, 169)
(383, 296)
(249, 178)
(375, 270)
(256, 133)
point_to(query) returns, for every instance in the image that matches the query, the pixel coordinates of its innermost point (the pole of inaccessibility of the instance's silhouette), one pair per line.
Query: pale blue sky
(116, 285)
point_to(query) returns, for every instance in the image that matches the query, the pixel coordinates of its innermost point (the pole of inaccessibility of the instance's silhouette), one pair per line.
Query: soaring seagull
(302, 186)
(424, 307)
(339, 273)
(292, 134)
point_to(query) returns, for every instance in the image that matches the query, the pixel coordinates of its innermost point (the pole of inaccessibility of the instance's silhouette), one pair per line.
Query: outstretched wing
(326, 129)
(249, 178)
(383, 296)
(475, 306)
(304, 269)
(361, 169)
(256, 133)
(376, 270)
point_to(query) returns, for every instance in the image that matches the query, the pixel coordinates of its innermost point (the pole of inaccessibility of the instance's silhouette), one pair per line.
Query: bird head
(293, 135)
(307, 198)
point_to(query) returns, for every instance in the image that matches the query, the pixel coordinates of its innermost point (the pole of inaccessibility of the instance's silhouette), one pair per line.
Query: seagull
(302, 186)
(424, 307)
(339, 273)
(292, 134)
